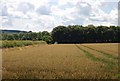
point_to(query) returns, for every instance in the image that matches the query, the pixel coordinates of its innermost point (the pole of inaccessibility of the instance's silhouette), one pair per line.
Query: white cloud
(39, 15)
(25, 7)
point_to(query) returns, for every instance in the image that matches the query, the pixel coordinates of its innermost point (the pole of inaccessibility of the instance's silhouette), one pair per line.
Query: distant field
(61, 61)
(18, 43)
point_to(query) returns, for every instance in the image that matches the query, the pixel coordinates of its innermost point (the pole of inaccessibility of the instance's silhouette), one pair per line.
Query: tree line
(71, 34)
(86, 34)
(45, 36)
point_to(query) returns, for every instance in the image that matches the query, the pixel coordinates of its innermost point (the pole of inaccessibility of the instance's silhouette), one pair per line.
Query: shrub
(8, 44)
(48, 39)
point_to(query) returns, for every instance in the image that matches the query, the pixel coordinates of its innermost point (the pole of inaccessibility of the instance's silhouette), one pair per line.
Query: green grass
(89, 55)
(92, 57)
(118, 75)
(18, 43)
(104, 53)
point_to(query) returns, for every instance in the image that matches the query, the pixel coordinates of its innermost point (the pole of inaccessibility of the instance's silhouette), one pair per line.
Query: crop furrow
(104, 53)
(92, 57)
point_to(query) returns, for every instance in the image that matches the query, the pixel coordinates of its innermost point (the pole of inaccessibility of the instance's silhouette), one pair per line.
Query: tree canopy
(87, 34)
(70, 34)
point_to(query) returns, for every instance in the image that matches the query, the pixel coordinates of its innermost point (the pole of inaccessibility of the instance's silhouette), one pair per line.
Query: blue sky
(40, 15)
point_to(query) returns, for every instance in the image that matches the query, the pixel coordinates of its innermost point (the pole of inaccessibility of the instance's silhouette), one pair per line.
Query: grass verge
(16, 43)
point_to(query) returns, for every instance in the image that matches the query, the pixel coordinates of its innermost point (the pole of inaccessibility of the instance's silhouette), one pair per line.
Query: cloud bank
(40, 15)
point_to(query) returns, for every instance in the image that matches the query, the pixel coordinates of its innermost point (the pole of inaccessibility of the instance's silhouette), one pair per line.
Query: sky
(44, 15)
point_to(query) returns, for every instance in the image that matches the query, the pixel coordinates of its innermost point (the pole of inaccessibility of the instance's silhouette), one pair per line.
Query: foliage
(27, 36)
(8, 44)
(70, 34)
(88, 34)
(48, 39)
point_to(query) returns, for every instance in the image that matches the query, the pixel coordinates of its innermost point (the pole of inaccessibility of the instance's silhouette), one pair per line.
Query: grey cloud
(119, 13)
(43, 10)
(46, 9)
(4, 11)
(84, 10)
(25, 7)
(81, 12)
(77, 20)
(53, 2)
(99, 20)
(7, 23)
(119, 5)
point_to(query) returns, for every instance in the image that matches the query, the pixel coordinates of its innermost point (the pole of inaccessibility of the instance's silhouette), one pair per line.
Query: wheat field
(61, 61)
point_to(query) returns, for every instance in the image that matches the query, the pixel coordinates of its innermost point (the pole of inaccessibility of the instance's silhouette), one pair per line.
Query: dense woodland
(70, 34)
(88, 34)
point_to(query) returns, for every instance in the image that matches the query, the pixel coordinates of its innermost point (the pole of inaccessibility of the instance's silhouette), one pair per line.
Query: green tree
(59, 34)
(16, 36)
(39, 36)
(4, 36)
(33, 36)
(45, 33)
(48, 39)
(88, 34)
(10, 37)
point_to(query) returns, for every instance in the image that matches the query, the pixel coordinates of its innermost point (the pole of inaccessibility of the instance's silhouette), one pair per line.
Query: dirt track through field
(100, 54)
(52, 61)
(111, 49)
(97, 56)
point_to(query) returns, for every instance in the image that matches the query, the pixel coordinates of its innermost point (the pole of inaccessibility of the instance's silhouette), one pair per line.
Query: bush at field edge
(9, 44)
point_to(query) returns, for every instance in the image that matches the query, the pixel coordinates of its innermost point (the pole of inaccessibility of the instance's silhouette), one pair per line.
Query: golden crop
(61, 61)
